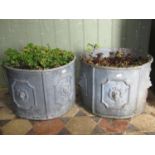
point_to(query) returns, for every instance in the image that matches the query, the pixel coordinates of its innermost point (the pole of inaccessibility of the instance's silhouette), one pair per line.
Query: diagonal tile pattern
(16, 127)
(81, 125)
(64, 131)
(77, 121)
(144, 122)
(80, 113)
(113, 126)
(48, 127)
(6, 114)
(73, 111)
(98, 131)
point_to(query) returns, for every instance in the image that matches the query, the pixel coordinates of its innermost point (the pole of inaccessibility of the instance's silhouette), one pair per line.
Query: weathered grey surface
(42, 94)
(115, 92)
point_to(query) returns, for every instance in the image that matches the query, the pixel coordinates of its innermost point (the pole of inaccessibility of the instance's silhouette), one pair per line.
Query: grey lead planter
(115, 92)
(42, 94)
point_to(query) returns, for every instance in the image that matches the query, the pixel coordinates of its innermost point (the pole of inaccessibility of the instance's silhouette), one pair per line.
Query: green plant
(37, 57)
(91, 47)
(115, 59)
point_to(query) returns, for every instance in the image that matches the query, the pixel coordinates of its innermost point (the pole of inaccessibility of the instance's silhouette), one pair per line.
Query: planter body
(115, 92)
(42, 94)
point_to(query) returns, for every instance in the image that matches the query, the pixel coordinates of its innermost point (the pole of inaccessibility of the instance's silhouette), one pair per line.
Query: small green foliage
(91, 47)
(37, 57)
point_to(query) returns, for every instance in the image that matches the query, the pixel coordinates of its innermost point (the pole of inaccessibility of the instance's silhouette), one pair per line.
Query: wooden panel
(138, 32)
(47, 33)
(76, 34)
(17, 36)
(4, 35)
(33, 31)
(90, 34)
(132, 33)
(62, 34)
(104, 32)
(119, 35)
(145, 27)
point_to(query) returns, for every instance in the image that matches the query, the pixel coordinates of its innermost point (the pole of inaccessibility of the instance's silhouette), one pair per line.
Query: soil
(117, 59)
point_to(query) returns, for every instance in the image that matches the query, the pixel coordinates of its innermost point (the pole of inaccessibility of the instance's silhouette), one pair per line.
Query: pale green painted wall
(73, 34)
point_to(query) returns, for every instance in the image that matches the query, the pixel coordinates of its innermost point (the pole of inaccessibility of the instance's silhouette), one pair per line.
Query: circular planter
(42, 94)
(115, 92)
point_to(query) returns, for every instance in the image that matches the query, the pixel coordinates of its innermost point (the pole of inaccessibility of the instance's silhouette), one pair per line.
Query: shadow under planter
(115, 92)
(42, 94)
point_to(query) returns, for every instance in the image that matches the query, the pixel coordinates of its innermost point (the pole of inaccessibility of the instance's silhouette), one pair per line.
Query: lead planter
(115, 92)
(42, 94)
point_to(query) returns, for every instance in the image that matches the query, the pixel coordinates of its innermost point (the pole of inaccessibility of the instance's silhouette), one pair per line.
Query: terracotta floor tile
(151, 97)
(131, 128)
(72, 112)
(65, 119)
(144, 122)
(64, 131)
(105, 124)
(81, 125)
(2, 104)
(3, 92)
(48, 127)
(0, 131)
(81, 113)
(134, 133)
(17, 127)
(3, 122)
(88, 113)
(149, 133)
(6, 114)
(76, 121)
(31, 132)
(122, 125)
(113, 126)
(5, 103)
(96, 118)
(98, 131)
(150, 109)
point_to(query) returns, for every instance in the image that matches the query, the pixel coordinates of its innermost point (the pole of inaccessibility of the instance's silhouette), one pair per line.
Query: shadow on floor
(151, 97)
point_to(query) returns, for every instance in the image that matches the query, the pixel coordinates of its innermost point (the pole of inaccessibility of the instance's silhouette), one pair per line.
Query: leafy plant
(115, 59)
(37, 57)
(91, 47)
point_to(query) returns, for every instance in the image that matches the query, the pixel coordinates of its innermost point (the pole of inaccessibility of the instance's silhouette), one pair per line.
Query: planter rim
(43, 70)
(121, 68)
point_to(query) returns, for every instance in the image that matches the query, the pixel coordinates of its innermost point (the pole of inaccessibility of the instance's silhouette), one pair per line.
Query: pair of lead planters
(106, 91)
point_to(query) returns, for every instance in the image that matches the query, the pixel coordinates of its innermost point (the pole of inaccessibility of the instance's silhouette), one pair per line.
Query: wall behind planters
(73, 34)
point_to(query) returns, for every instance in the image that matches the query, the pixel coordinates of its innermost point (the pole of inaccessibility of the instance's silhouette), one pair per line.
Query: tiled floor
(76, 122)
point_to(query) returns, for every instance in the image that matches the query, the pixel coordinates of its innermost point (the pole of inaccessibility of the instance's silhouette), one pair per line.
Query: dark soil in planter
(116, 59)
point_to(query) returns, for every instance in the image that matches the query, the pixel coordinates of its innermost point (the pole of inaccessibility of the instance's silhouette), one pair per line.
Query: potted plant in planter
(114, 81)
(41, 81)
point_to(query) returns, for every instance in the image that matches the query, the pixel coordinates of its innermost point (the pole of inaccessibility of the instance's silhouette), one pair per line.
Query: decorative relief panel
(64, 91)
(23, 94)
(115, 94)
